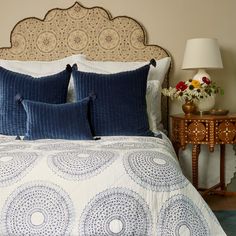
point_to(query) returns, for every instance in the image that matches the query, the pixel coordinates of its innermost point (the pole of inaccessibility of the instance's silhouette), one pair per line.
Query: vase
(206, 104)
(189, 107)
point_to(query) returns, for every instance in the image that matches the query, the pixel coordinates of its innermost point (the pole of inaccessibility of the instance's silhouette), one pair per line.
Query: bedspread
(112, 186)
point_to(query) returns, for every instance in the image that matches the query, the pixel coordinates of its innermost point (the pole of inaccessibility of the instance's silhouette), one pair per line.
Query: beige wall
(169, 23)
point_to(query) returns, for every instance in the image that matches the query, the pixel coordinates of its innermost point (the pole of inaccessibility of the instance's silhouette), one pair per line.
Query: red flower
(181, 86)
(206, 80)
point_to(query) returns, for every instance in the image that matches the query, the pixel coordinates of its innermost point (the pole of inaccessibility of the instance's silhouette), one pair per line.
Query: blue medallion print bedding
(119, 186)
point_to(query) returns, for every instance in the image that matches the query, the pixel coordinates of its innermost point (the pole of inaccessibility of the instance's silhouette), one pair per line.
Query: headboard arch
(91, 31)
(80, 30)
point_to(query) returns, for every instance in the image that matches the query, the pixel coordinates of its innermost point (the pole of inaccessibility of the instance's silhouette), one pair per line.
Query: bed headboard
(89, 31)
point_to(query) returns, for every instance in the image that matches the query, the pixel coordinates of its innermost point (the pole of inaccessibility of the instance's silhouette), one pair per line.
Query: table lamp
(201, 54)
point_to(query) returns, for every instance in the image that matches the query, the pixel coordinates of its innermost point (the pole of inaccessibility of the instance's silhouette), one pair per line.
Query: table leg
(195, 154)
(222, 166)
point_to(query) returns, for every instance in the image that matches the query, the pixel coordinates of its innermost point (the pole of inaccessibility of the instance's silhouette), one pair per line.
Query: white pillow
(43, 68)
(155, 79)
(156, 73)
(153, 98)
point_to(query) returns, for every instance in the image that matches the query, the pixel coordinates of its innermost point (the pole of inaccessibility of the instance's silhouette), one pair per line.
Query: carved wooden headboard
(80, 30)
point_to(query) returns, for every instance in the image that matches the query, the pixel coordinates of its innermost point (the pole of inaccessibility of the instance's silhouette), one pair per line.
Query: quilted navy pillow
(51, 89)
(120, 104)
(57, 121)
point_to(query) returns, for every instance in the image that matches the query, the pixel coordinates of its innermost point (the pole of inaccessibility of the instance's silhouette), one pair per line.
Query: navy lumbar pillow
(120, 104)
(51, 89)
(57, 121)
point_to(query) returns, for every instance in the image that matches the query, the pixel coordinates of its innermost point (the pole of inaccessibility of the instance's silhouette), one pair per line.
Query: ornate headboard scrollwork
(80, 30)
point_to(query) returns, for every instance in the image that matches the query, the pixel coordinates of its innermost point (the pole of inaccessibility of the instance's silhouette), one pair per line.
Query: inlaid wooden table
(204, 129)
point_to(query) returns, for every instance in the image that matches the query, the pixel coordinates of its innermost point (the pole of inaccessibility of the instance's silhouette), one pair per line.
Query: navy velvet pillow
(51, 89)
(57, 121)
(120, 104)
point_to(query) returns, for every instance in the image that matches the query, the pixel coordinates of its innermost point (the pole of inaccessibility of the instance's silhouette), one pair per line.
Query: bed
(111, 182)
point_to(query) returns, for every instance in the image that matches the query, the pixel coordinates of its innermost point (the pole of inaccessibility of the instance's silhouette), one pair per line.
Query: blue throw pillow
(120, 104)
(51, 89)
(57, 121)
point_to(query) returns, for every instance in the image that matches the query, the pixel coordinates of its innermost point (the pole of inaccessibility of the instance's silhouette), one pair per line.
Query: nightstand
(206, 129)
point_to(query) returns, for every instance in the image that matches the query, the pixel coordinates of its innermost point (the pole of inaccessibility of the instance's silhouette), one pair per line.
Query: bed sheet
(112, 186)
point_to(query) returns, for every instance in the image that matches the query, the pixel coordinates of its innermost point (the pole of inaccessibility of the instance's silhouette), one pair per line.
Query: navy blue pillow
(51, 89)
(120, 104)
(57, 121)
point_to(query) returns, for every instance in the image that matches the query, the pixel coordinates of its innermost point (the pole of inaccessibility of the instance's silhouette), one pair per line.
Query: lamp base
(200, 74)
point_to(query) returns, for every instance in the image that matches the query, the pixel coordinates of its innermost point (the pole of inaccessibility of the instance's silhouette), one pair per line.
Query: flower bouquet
(193, 90)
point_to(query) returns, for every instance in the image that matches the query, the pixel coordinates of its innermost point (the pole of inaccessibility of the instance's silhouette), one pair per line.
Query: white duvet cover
(112, 186)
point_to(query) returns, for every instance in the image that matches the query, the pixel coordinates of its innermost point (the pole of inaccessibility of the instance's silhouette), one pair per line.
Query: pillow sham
(120, 105)
(43, 68)
(57, 121)
(51, 89)
(156, 74)
(153, 100)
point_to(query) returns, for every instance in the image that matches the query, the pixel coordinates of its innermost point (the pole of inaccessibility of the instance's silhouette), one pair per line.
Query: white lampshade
(202, 53)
